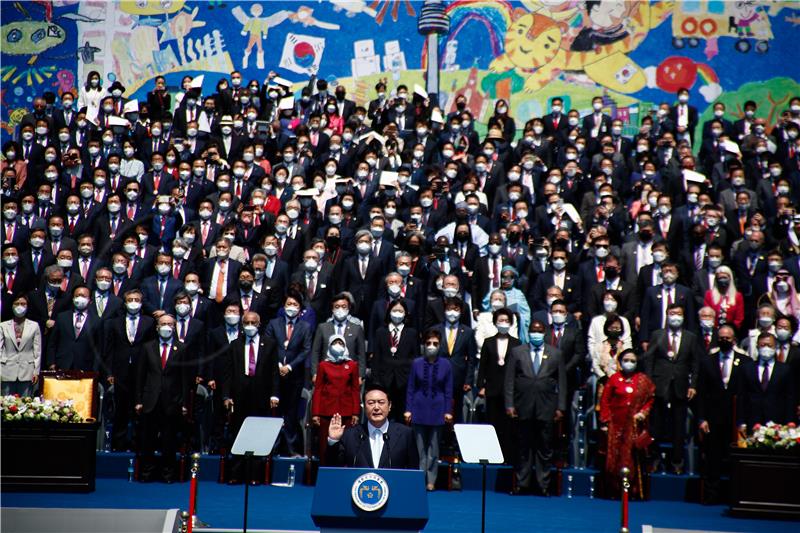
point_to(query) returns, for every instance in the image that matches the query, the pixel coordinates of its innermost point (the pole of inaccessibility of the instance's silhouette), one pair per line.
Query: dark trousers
(397, 395)
(160, 430)
(669, 426)
(715, 446)
(535, 449)
(123, 411)
(291, 434)
(497, 417)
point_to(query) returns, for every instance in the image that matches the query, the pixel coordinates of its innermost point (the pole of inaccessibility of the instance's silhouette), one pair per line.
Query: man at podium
(378, 444)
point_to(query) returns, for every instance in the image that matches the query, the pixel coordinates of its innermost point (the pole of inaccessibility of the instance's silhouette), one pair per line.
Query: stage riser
(498, 478)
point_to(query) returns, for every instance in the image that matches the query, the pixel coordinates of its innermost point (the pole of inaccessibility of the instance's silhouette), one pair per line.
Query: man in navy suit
(72, 344)
(377, 444)
(657, 300)
(768, 389)
(459, 347)
(159, 290)
(294, 338)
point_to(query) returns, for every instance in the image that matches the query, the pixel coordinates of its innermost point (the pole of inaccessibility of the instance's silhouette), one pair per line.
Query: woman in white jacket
(90, 95)
(20, 351)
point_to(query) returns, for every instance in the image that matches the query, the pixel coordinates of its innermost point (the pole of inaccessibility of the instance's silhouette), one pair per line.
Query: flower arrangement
(16, 409)
(774, 436)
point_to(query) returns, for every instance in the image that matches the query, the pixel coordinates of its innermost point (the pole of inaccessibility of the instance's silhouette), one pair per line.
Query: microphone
(388, 449)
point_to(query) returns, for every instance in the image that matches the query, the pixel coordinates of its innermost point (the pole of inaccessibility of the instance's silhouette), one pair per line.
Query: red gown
(622, 399)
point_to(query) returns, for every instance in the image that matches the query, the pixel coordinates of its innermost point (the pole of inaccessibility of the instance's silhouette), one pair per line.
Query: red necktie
(176, 269)
(205, 231)
(251, 363)
(117, 285)
(131, 211)
(10, 281)
(9, 232)
(289, 330)
(600, 272)
(164, 352)
(556, 336)
(496, 272)
(84, 268)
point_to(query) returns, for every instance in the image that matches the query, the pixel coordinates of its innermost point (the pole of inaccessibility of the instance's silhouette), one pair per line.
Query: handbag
(642, 440)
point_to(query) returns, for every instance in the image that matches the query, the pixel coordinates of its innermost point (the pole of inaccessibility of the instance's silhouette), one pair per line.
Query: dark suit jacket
(167, 388)
(776, 404)
(572, 292)
(152, 297)
(120, 356)
(298, 349)
(464, 356)
(715, 401)
(392, 368)
(535, 396)
(491, 375)
(673, 376)
(265, 380)
(652, 310)
(399, 448)
(68, 352)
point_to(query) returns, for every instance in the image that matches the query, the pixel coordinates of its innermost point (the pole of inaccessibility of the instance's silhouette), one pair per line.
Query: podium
(369, 499)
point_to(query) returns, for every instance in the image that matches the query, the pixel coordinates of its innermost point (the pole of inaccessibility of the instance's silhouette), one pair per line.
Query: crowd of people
(213, 256)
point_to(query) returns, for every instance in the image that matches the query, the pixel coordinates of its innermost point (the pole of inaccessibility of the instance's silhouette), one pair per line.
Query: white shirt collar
(383, 429)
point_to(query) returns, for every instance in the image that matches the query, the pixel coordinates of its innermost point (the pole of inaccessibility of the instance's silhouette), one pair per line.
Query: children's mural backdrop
(636, 53)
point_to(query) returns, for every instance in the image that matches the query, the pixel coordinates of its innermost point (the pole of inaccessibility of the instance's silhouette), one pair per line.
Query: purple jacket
(430, 391)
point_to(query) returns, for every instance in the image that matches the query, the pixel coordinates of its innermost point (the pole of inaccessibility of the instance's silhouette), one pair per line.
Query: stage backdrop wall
(636, 53)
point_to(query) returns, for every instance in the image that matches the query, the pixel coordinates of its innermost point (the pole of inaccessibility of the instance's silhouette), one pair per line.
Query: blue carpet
(284, 508)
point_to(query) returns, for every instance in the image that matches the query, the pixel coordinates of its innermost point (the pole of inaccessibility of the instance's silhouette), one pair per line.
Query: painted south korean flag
(302, 53)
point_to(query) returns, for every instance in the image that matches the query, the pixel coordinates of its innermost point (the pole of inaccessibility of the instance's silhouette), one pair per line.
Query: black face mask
(562, 243)
(413, 249)
(462, 237)
(611, 273)
(246, 286)
(513, 237)
(645, 235)
(613, 334)
(725, 345)
(333, 241)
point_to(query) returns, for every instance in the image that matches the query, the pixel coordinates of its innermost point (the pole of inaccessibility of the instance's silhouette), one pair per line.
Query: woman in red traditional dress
(624, 408)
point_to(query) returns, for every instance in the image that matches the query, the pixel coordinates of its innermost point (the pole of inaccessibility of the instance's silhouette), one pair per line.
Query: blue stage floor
(288, 508)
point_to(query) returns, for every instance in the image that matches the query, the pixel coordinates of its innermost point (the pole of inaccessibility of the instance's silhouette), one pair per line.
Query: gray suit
(536, 397)
(19, 361)
(354, 340)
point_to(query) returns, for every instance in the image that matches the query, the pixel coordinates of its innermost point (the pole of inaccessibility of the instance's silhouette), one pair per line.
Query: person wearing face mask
(605, 348)
(343, 324)
(671, 361)
(293, 337)
(559, 276)
(565, 333)
(657, 299)
(486, 276)
(160, 289)
(719, 385)
(484, 324)
(724, 299)
(104, 302)
(429, 402)
(684, 116)
(396, 346)
(317, 279)
(21, 348)
(73, 343)
(768, 392)
(124, 339)
(230, 143)
(336, 390)
(624, 409)
(458, 346)
(220, 273)
(162, 396)
(494, 352)
(535, 394)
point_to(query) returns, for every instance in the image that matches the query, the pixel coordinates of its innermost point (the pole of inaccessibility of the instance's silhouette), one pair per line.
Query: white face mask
(628, 366)
(80, 302)
(165, 332)
(397, 317)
